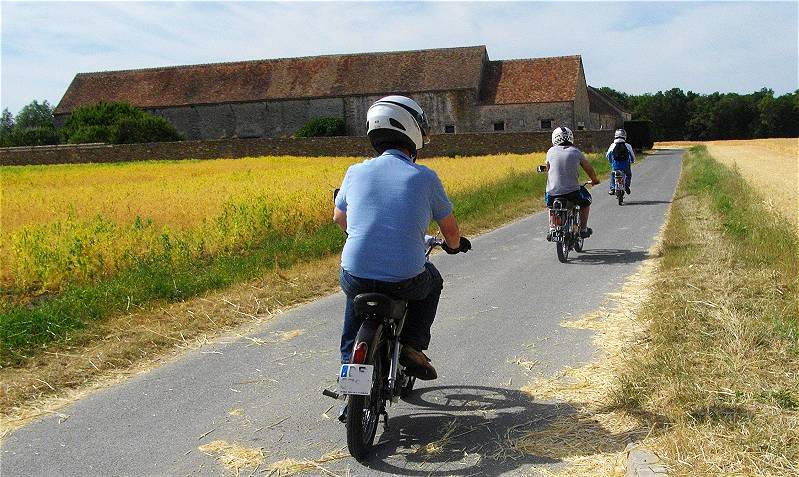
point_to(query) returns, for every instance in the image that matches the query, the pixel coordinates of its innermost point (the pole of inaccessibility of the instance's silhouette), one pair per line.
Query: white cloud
(634, 47)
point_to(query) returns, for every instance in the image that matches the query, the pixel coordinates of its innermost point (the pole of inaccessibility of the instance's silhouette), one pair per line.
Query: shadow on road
(609, 256)
(646, 202)
(479, 430)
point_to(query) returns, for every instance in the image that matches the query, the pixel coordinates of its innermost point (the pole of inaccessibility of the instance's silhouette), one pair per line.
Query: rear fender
(370, 333)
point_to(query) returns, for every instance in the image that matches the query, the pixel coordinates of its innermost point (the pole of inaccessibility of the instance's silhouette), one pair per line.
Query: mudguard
(370, 332)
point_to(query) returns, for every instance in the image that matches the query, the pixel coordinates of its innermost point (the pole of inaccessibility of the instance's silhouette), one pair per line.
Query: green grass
(718, 374)
(26, 328)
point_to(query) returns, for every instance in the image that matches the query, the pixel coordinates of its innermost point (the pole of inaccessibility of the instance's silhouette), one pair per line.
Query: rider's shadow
(479, 430)
(610, 256)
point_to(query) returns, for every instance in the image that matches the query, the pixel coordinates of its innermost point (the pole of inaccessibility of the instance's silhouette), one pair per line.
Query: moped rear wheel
(363, 412)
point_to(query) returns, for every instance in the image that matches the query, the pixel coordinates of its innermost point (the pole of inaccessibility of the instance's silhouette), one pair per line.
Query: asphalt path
(498, 327)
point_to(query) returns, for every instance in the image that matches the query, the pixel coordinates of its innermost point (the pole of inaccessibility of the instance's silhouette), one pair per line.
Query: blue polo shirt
(389, 201)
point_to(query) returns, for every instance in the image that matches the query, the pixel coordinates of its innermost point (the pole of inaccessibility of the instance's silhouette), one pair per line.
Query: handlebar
(431, 243)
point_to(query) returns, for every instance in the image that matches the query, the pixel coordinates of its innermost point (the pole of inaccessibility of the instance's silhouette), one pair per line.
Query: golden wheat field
(771, 165)
(78, 222)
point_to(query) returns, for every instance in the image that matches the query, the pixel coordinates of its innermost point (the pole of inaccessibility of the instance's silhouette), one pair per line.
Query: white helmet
(561, 135)
(620, 134)
(397, 120)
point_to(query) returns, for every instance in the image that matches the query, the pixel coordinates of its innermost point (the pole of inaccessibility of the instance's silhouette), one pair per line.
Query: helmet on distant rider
(620, 135)
(562, 135)
(397, 121)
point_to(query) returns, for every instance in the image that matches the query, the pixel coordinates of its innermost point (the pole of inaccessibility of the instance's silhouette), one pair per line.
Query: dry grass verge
(721, 365)
(592, 440)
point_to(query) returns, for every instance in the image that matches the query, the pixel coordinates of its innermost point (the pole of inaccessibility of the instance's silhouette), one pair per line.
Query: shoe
(417, 364)
(611, 192)
(585, 233)
(342, 413)
(549, 236)
(627, 190)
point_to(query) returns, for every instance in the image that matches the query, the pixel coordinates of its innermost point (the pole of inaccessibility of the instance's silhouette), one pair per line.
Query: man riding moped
(563, 176)
(385, 205)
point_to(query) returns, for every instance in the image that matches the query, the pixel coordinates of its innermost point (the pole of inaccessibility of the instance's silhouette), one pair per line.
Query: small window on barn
(499, 126)
(449, 129)
(580, 125)
(546, 124)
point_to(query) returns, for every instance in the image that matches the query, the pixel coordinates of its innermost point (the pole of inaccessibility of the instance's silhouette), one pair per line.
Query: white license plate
(355, 379)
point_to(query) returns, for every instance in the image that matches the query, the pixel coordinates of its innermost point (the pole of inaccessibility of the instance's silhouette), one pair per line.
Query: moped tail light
(557, 220)
(359, 355)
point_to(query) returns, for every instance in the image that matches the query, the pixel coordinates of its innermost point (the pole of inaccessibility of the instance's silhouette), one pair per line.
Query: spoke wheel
(563, 250)
(363, 412)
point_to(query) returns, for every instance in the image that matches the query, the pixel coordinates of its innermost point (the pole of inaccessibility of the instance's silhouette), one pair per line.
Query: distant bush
(639, 134)
(320, 127)
(37, 136)
(33, 126)
(146, 129)
(116, 123)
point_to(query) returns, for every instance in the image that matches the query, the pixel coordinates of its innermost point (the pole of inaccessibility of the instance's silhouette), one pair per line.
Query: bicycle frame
(619, 179)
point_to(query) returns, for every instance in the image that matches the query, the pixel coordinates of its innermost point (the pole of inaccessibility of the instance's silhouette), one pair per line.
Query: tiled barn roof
(536, 80)
(600, 103)
(308, 77)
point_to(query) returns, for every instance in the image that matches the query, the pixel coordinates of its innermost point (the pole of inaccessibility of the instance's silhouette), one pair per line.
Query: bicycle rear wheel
(363, 412)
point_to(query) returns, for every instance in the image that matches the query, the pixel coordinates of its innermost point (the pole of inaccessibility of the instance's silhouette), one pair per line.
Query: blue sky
(634, 46)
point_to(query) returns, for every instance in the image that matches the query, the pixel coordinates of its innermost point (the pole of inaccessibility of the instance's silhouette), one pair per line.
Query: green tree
(33, 126)
(36, 115)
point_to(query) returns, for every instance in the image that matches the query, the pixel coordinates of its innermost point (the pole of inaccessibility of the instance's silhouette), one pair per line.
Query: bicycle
(564, 227)
(619, 182)
(374, 376)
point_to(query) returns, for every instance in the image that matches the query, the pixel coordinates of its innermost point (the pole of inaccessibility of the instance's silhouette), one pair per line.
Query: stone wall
(249, 120)
(441, 145)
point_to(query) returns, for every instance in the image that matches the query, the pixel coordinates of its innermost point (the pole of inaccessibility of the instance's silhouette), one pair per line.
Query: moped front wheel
(578, 244)
(407, 388)
(563, 250)
(363, 412)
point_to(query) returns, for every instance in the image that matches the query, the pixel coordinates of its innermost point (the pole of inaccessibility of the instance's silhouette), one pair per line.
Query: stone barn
(461, 90)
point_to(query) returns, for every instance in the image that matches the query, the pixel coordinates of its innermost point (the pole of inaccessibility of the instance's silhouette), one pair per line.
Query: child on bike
(621, 156)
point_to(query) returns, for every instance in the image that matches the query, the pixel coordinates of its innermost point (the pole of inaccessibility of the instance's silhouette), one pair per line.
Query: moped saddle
(380, 305)
(563, 204)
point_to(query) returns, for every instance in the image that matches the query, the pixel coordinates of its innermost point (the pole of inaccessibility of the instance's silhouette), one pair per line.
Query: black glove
(463, 247)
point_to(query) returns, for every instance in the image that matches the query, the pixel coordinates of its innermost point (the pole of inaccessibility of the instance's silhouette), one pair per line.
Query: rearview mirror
(542, 168)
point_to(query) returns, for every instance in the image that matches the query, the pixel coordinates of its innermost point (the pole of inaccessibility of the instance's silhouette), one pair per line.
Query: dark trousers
(422, 293)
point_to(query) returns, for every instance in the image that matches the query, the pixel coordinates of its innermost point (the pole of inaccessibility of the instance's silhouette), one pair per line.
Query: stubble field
(770, 165)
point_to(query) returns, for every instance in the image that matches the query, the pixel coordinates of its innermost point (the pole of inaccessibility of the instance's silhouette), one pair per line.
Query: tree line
(677, 115)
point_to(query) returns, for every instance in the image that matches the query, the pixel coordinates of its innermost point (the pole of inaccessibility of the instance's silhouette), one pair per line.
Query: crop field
(770, 165)
(81, 243)
(77, 223)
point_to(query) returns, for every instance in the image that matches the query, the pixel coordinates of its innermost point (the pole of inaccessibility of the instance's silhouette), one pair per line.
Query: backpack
(620, 152)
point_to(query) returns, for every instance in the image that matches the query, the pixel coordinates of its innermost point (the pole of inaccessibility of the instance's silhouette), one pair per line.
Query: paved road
(502, 303)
